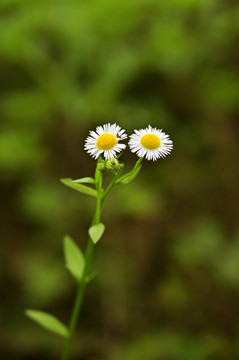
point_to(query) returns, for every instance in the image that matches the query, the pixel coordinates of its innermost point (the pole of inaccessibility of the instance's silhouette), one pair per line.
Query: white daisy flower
(105, 140)
(151, 143)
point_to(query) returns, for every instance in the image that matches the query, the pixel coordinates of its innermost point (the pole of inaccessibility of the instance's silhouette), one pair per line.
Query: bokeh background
(168, 265)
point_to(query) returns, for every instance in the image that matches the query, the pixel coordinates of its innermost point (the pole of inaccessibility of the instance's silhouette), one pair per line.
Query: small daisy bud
(101, 166)
(112, 165)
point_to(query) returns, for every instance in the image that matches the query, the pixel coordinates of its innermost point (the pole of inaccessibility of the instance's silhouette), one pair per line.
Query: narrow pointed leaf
(96, 232)
(126, 179)
(74, 258)
(79, 187)
(47, 321)
(87, 180)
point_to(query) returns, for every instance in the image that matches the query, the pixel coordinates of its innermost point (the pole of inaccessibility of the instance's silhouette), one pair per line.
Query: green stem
(101, 196)
(111, 185)
(82, 284)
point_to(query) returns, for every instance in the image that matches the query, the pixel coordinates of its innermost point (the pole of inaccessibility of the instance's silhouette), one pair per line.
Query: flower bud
(112, 165)
(101, 166)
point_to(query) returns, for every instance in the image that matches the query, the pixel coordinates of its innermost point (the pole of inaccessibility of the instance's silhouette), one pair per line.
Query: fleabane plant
(105, 145)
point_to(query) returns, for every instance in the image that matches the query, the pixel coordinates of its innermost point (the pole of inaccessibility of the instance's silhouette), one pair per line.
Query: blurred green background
(168, 265)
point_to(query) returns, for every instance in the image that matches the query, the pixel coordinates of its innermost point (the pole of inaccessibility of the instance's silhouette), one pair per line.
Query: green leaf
(96, 231)
(74, 258)
(88, 180)
(47, 321)
(126, 179)
(78, 187)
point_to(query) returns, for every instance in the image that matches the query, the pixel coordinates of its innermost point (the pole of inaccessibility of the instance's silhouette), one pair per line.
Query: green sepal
(96, 232)
(79, 187)
(48, 322)
(87, 180)
(127, 178)
(74, 259)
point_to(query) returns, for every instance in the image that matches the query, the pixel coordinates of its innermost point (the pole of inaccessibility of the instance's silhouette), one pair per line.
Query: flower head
(105, 140)
(151, 143)
(113, 165)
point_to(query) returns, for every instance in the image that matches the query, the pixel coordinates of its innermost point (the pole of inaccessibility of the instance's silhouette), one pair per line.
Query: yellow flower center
(150, 141)
(106, 141)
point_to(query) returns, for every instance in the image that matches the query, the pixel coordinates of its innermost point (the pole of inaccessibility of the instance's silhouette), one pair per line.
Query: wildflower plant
(102, 144)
